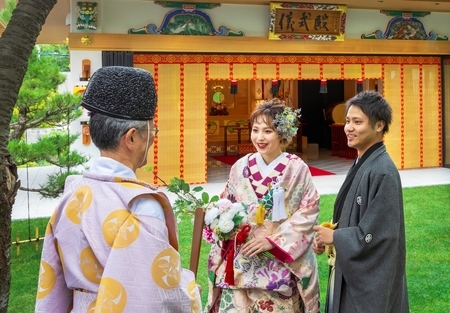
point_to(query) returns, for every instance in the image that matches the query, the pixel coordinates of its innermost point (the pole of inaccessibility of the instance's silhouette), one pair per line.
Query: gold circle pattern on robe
(48, 230)
(120, 229)
(166, 269)
(112, 296)
(47, 280)
(90, 266)
(195, 301)
(78, 204)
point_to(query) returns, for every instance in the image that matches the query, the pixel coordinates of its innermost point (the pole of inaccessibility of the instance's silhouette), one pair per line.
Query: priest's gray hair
(106, 131)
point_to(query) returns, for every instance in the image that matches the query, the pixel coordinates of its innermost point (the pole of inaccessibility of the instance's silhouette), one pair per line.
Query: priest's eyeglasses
(155, 131)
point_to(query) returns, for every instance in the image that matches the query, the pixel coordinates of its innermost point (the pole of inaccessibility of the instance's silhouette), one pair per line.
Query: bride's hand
(318, 248)
(255, 246)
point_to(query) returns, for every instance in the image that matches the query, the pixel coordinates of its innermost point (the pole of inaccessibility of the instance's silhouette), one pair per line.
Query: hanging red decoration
(323, 86)
(359, 85)
(274, 88)
(234, 87)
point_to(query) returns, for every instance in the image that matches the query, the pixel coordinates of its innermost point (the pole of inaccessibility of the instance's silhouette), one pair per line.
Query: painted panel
(332, 71)
(265, 71)
(372, 71)
(219, 71)
(352, 71)
(412, 142)
(242, 71)
(152, 156)
(289, 71)
(186, 19)
(194, 134)
(310, 71)
(404, 26)
(431, 116)
(392, 92)
(169, 120)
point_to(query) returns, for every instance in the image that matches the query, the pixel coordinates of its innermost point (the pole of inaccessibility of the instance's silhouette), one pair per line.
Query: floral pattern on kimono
(293, 271)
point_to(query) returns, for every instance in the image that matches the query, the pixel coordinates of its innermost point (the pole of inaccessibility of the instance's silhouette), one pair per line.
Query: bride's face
(266, 140)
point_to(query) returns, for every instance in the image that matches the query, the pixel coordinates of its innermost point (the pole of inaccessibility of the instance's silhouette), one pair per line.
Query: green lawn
(427, 232)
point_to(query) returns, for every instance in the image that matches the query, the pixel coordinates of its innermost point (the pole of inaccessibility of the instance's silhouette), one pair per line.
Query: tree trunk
(16, 45)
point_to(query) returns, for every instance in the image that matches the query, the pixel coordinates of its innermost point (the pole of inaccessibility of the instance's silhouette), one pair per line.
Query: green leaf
(237, 219)
(205, 197)
(148, 168)
(197, 189)
(185, 187)
(214, 199)
(172, 188)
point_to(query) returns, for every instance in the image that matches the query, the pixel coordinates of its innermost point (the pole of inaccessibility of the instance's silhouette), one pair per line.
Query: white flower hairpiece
(287, 123)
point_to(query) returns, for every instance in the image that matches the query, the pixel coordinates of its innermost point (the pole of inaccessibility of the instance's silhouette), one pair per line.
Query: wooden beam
(254, 45)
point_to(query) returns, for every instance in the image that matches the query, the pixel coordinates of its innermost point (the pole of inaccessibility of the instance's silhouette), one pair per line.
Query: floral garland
(287, 123)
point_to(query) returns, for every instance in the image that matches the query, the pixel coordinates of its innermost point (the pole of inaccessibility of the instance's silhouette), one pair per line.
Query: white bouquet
(223, 220)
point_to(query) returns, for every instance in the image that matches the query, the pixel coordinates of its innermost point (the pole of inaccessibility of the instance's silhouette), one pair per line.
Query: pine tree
(39, 105)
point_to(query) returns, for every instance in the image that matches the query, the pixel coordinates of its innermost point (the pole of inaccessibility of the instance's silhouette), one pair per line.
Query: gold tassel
(330, 250)
(329, 225)
(260, 214)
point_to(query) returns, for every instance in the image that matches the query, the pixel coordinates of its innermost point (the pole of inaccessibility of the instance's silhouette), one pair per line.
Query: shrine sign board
(304, 21)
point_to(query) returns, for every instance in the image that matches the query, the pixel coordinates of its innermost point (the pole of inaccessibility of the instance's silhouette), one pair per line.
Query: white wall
(67, 85)
(90, 150)
(73, 80)
(76, 57)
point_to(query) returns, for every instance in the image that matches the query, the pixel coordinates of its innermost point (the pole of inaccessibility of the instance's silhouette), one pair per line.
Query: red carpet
(230, 159)
(318, 172)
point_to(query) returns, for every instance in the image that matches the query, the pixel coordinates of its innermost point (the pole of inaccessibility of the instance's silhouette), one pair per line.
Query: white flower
(226, 216)
(223, 204)
(244, 217)
(214, 223)
(238, 207)
(220, 218)
(211, 215)
(225, 226)
(232, 211)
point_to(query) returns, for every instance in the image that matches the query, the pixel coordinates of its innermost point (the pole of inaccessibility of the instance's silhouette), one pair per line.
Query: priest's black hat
(123, 92)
